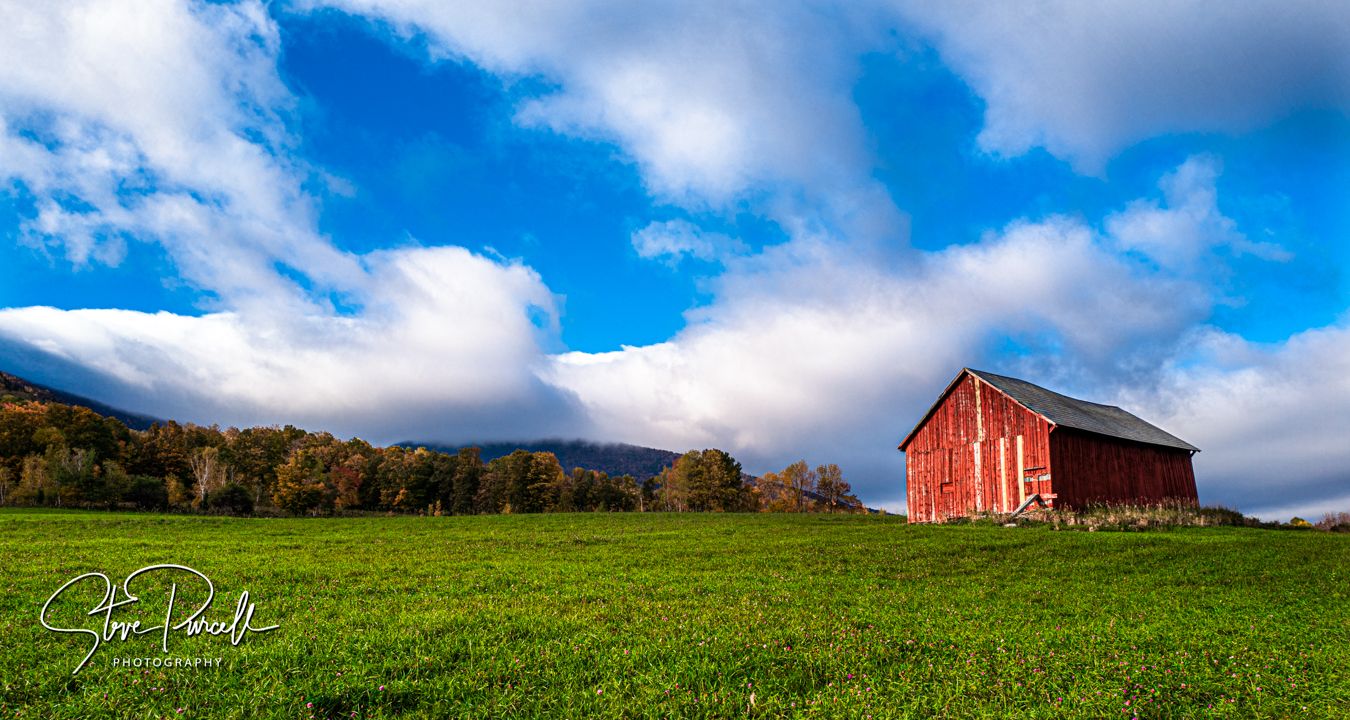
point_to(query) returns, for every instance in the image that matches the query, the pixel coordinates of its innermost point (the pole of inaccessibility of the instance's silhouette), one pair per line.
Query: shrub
(1217, 515)
(146, 493)
(1335, 522)
(233, 499)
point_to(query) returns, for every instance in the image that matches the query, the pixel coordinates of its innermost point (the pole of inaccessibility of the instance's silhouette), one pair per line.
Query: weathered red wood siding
(1092, 469)
(965, 455)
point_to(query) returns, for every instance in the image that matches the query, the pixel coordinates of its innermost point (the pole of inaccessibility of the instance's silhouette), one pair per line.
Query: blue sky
(776, 228)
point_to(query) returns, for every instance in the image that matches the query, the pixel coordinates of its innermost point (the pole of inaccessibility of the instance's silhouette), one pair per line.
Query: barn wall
(1092, 469)
(965, 456)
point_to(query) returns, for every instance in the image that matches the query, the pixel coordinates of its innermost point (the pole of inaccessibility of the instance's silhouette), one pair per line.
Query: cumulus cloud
(160, 121)
(1270, 419)
(1084, 80)
(1190, 227)
(716, 102)
(673, 240)
(1176, 236)
(720, 102)
(166, 121)
(445, 346)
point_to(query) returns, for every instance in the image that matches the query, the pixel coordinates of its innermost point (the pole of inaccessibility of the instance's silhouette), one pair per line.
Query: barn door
(934, 485)
(946, 500)
(1037, 482)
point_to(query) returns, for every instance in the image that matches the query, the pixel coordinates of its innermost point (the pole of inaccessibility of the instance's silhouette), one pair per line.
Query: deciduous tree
(831, 486)
(800, 479)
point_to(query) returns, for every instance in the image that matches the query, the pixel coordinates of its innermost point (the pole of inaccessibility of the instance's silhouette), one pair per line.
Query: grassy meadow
(686, 615)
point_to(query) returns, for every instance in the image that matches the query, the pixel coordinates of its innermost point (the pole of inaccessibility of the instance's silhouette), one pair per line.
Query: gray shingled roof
(1068, 412)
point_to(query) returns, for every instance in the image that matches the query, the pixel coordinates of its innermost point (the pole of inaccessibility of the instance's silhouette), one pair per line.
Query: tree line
(52, 454)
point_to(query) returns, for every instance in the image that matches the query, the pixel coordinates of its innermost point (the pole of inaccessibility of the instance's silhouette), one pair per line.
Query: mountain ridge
(612, 458)
(13, 387)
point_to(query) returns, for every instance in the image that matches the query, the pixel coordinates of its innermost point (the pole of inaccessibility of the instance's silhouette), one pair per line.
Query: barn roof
(1068, 412)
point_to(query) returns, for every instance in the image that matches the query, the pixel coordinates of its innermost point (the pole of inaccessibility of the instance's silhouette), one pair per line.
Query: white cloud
(725, 102)
(716, 102)
(671, 241)
(1270, 419)
(1085, 80)
(1191, 226)
(444, 346)
(164, 121)
(719, 102)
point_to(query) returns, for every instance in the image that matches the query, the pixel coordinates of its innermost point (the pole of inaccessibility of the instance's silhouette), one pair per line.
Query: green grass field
(572, 616)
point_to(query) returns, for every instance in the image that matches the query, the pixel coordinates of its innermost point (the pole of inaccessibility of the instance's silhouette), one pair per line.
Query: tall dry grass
(1143, 517)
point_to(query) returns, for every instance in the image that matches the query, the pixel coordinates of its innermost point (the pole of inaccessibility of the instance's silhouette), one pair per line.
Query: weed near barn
(696, 615)
(1125, 517)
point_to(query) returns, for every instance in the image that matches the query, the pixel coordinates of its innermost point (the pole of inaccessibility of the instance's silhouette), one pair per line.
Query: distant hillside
(613, 458)
(14, 388)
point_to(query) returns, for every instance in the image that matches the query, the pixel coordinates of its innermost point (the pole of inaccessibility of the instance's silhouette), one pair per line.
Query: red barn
(990, 442)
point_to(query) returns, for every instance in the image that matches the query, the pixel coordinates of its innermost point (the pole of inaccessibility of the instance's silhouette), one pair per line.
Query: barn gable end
(972, 451)
(991, 441)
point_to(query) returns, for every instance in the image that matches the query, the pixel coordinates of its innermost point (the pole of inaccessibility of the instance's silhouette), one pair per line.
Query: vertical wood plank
(1003, 475)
